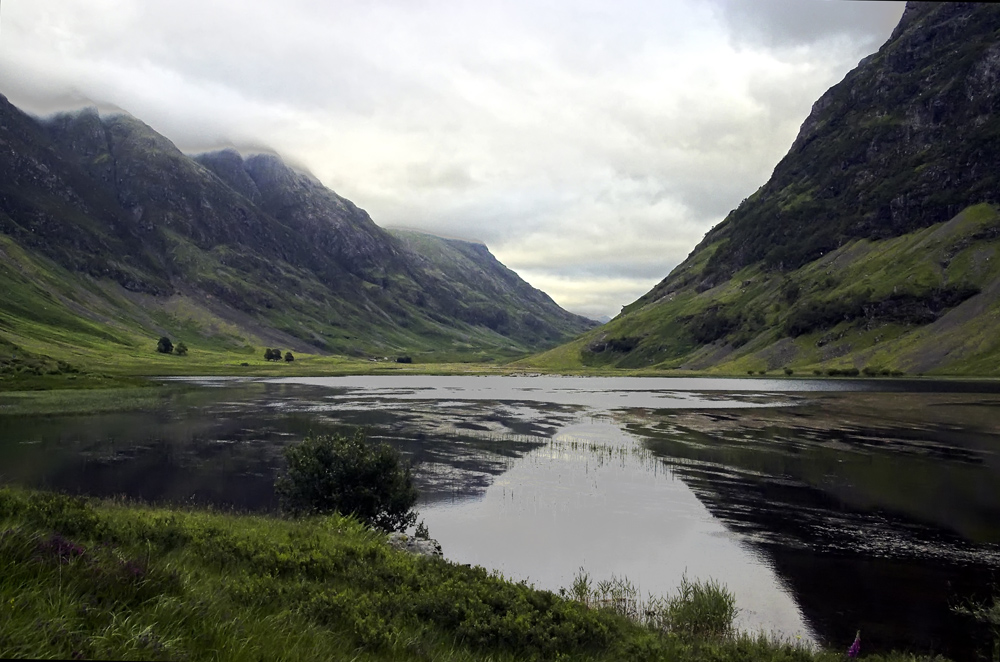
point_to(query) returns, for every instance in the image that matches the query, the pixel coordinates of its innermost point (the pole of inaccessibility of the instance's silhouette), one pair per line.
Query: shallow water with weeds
(825, 506)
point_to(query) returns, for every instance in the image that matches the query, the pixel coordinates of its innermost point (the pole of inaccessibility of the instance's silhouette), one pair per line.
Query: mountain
(110, 236)
(872, 247)
(485, 293)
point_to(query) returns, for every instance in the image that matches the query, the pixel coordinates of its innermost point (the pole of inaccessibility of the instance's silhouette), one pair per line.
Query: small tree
(164, 346)
(272, 354)
(334, 473)
(181, 349)
(288, 357)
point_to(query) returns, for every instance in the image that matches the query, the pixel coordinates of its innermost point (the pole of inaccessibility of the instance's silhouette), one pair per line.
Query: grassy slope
(57, 328)
(963, 341)
(58, 323)
(88, 579)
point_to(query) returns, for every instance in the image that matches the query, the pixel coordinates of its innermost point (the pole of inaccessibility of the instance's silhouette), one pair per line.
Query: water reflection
(826, 506)
(594, 497)
(866, 515)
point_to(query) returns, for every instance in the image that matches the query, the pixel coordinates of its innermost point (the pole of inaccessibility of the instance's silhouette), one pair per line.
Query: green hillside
(928, 301)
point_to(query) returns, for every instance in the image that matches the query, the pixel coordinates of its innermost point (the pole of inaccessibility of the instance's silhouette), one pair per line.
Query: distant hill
(110, 236)
(873, 246)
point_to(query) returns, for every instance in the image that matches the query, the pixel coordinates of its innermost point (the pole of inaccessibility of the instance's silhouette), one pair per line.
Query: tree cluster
(273, 354)
(165, 346)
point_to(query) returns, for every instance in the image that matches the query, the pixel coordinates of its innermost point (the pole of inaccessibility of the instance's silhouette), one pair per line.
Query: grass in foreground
(93, 579)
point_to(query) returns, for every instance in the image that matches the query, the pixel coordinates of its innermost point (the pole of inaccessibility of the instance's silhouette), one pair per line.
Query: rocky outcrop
(418, 546)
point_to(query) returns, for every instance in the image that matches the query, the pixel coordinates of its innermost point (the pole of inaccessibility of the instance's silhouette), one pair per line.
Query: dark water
(826, 506)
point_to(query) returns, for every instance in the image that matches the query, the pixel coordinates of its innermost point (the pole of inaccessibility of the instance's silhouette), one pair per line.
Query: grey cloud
(790, 23)
(593, 297)
(451, 177)
(649, 268)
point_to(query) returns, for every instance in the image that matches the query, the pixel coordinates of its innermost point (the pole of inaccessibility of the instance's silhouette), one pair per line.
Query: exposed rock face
(418, 546)
(228, 165)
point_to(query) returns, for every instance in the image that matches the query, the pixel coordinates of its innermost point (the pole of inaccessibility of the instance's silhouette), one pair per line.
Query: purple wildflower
(133, 568)
(856, 646)
(60, 548)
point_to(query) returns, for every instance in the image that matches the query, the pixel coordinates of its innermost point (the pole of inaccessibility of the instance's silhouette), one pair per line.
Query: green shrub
(712, 324)
(843, 372)
(790, 291)
(334, 473)
(986, 614)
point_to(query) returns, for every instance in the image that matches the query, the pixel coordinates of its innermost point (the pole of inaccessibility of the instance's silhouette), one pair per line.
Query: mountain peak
(270, 170)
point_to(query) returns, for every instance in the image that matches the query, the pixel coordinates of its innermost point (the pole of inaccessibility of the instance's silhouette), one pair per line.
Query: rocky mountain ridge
(127, 237)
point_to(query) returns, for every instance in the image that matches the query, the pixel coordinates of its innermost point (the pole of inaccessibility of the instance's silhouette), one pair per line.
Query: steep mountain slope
(110, 235)
(908, 139)
(482, 291)
(874, 243)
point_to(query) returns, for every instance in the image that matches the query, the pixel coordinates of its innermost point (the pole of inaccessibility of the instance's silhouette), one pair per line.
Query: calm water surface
(826, 506)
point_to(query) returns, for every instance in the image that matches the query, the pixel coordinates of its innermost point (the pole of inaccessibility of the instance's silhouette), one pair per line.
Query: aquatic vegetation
(698, 609)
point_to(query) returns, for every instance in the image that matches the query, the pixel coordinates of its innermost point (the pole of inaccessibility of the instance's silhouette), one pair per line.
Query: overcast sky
(589, 145)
